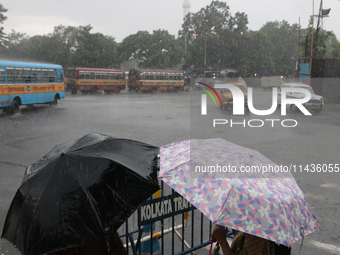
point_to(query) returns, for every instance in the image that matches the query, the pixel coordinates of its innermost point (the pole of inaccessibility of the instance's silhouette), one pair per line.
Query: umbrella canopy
(269, 206)
(80, 193)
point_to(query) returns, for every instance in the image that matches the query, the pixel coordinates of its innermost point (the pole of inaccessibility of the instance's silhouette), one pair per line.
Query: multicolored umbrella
(267, 205)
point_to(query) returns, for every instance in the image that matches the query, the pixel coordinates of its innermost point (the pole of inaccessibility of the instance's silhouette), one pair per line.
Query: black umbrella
(79, 193)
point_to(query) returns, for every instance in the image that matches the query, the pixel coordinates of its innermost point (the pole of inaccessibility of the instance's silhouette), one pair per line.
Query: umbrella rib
(225, 201)
(165, 174)
(117, 153)
(92, 205)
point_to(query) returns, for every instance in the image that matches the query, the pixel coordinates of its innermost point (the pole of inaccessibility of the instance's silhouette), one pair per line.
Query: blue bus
(29, 83)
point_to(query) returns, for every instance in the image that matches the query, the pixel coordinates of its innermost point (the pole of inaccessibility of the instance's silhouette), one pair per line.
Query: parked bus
(29, 83)
(90, 80)
(154, 80)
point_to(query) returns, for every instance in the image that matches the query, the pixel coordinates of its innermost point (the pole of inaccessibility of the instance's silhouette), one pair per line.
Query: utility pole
(311, 50)
(205, 52)
(186, 9)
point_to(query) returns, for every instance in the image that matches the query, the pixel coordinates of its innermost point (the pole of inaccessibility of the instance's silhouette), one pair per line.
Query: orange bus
(155, 80)
(90, 80)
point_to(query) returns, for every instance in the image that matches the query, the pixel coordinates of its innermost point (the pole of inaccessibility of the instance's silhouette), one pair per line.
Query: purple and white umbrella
(267, 205)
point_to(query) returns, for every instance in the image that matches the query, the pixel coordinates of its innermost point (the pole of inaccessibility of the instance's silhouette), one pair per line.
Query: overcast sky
(120, 18)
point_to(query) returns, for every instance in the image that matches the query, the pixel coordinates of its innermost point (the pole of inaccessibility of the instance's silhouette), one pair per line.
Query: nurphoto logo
(239, 104)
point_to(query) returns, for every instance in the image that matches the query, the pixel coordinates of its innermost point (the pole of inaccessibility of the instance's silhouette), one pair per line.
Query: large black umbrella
(81, 192)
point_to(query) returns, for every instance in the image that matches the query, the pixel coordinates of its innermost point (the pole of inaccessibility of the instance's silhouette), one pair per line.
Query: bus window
(10, 75)
(142, 76)
(166, 77)
(133, 72)
(39, 75)
(51, 76)
(171, 77)
(34, 75)
(87, 75)
(81, 75)
(147, 76)
(102, 76)
(92, 75)
(27, 75)
(2, 76)
(44, 75)
(60, 76)
(19, 75)
(152, 76)
(72, 74)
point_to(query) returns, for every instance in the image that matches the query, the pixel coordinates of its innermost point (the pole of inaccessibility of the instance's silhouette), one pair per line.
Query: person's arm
(220, 235)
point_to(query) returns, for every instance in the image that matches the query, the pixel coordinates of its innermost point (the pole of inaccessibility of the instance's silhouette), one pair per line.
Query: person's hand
(219, 234)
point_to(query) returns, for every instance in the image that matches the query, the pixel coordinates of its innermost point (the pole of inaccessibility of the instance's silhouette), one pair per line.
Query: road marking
(329, 247)
(330, 185)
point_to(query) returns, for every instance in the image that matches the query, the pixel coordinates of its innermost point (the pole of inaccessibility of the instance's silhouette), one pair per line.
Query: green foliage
(323, 42)
(157, 50)
(222, 40)
(335, 49)
(67, 46)
(2, 19)
(284, 45)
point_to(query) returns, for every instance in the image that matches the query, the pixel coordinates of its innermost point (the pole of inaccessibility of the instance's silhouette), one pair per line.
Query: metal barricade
(163, 209)
(178, 227)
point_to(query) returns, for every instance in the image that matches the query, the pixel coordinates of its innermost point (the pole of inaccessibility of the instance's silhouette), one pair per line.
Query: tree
(255, 57)
(133, 46)
(158, 50)
(2, 20)
(94, 50)
(219, 35)
(12, 44)
(320, 38)
(335, 49)
(284, 38)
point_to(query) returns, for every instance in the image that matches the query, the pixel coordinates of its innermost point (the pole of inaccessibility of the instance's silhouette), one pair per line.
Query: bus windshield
(71, 74)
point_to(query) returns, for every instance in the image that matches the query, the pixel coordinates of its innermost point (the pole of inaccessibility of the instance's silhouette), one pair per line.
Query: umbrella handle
(211, 243)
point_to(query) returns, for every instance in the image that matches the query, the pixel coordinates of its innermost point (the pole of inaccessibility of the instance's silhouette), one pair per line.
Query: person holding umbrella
(243, 244)
(246, 244)
(74, 199)
(267, 205)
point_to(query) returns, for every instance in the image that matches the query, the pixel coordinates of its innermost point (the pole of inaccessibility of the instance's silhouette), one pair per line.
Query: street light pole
(205, 52)
(185, 49)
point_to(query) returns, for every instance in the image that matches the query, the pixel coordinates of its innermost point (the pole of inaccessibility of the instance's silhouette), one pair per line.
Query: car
(315, 103)
(227, 96)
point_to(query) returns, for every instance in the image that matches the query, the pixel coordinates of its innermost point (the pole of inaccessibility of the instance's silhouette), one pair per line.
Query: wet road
(163, 118)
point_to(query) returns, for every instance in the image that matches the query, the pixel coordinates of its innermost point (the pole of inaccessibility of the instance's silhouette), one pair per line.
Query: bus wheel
(153, 90)
(94, 90)
(117, 90)
(176, 89)
(55, 101)
(15, 106)
(73, 91)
